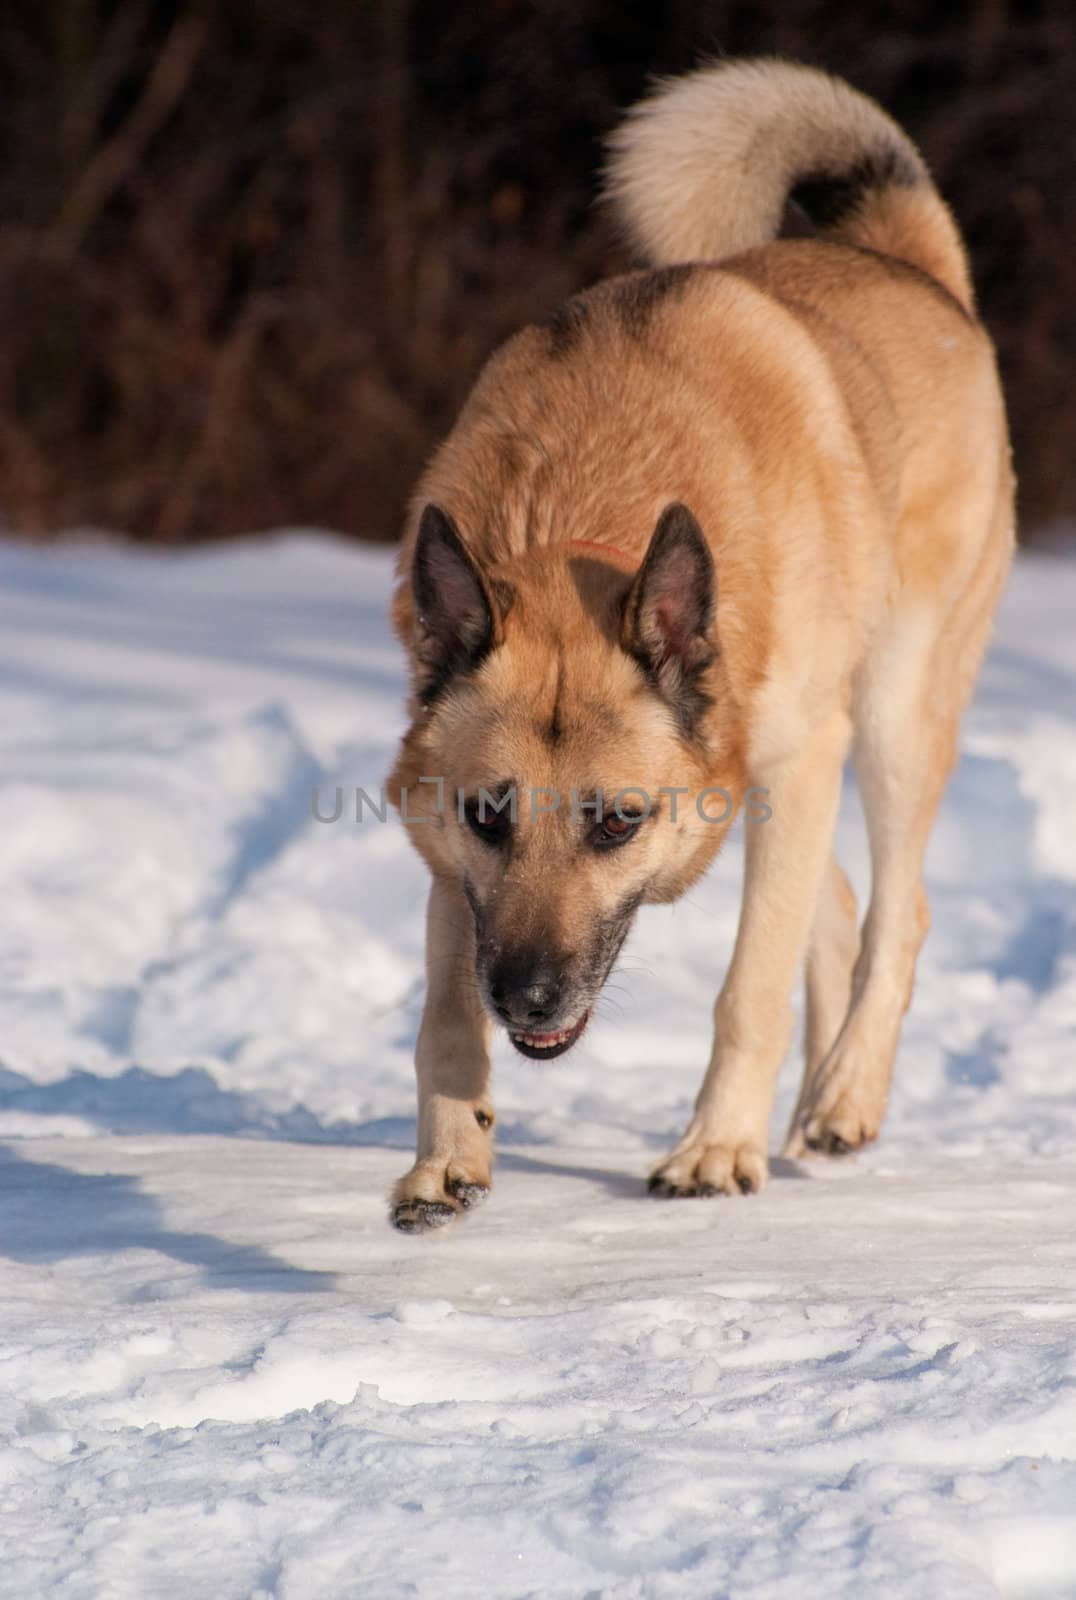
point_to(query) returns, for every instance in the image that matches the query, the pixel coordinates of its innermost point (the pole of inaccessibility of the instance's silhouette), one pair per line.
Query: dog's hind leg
(455, 1117)
(831, 959)
(907, 715)
(904, 752)
(724, 1147)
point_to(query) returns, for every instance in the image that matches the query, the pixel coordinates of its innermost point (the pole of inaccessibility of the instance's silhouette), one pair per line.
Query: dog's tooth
(546, 1041)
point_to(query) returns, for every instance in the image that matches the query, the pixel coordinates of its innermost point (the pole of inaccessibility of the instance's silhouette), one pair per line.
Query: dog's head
(565, 762)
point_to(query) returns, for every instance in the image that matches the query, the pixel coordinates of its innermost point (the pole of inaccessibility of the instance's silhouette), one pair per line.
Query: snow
(222, 1374)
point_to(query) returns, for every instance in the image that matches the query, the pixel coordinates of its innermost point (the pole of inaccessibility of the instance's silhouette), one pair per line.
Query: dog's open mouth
(544, 1046)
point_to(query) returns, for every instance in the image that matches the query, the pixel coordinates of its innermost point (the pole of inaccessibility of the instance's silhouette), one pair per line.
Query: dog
(709, 528)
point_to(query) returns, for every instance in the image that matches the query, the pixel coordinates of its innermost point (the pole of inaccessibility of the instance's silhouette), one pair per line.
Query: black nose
(525, 990)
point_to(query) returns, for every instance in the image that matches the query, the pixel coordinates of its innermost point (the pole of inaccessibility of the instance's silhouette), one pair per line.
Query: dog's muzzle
(527, 995)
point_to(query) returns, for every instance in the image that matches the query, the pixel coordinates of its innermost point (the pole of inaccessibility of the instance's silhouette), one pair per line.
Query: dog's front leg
(723, 1150)
(455, 1117)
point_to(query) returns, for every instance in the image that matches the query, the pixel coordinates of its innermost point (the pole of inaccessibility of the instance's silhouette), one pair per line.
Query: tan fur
(829, 411)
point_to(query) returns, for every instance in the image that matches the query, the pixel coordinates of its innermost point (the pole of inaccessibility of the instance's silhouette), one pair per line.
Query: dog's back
(799, 357)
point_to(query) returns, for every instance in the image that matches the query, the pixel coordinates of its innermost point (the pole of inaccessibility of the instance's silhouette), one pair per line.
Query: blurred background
(252, 254)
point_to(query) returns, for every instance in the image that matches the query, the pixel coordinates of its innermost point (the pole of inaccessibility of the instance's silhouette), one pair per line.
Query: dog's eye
(491, 826)
(616, 828)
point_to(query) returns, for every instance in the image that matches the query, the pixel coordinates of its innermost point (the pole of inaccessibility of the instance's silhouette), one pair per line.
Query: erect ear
(669, 613)
(453, 607)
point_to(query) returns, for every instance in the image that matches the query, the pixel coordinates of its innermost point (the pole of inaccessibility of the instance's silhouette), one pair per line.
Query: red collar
(609, 550)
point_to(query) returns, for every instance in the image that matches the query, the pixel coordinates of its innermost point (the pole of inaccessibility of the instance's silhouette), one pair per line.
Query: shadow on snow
(49, 1213)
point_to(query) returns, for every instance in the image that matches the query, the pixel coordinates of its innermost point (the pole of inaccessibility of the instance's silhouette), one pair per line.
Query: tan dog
(708, 528)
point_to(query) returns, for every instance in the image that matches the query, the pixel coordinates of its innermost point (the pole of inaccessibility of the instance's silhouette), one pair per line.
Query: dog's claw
(418, 1216)
(827, 1143)
(469, 1195)
(664, 1190)
(706, 1171)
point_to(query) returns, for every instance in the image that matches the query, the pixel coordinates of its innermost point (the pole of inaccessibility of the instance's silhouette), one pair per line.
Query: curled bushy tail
(705, 167)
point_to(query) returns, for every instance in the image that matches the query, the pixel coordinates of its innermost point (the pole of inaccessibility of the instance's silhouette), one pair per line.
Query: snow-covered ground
(223, 1375)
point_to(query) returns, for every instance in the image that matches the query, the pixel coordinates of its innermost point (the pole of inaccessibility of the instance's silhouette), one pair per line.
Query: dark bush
(251, 255)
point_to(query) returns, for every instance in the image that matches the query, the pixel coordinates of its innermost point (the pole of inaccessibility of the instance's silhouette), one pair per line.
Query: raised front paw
(709, 1169)
(436, 1191)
